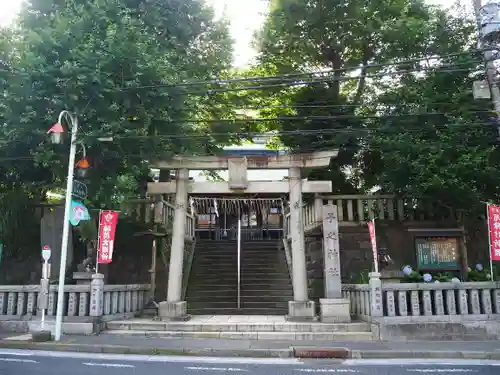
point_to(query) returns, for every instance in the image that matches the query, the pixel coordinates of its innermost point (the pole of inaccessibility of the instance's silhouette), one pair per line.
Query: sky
(246, 17)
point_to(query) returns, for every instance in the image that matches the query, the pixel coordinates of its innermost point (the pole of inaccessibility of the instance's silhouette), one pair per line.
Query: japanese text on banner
(107, 229)
(373, 239)
(494, 231)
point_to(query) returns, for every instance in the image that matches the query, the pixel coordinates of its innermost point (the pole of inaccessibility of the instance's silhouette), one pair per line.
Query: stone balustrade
(426, 302)
(356, 209)
(359, 297)
(309, 218)
(124, 299)
(149, 211)
(362, 208)
(439, 300)
(190, 226)
(20, 302)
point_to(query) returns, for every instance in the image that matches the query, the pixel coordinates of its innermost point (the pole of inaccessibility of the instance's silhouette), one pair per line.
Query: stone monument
(86, 268)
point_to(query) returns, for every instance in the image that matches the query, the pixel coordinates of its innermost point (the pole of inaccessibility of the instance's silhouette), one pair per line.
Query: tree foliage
(390, 87)
(115, 63)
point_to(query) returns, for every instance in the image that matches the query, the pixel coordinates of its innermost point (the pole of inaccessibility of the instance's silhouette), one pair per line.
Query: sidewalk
(261, 348)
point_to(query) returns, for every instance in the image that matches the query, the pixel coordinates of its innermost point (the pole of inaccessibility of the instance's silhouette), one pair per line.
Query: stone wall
(315, 270)
(20, 271)
(393, 238)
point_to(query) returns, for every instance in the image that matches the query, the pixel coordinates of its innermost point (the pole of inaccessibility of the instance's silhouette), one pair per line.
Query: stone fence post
(376, 295)
(97, 301)
(318, 210)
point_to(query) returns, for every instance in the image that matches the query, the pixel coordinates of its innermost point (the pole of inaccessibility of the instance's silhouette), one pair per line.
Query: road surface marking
(158, 359)
(440, 370)
(230, 369)
(108, 365)
(412, 362)
(325, 370)
(15, 353)
(17, 360)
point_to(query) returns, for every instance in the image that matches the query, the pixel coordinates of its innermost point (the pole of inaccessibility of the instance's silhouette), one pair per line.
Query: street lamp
(56, 132)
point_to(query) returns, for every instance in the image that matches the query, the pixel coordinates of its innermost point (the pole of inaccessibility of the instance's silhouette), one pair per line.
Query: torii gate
(301, 307)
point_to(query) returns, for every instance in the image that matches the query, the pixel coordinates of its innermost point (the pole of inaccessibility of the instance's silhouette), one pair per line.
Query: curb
(294, 352)
(118, 349)
(424, 354)
(345, 353)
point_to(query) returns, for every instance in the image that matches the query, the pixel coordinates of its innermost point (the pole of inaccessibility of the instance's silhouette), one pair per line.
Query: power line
(314, 132)
(277, 119)
(301, 132)
(324, 118)
(430, 144)
(291, 83)
(294, 76)
(346, 105)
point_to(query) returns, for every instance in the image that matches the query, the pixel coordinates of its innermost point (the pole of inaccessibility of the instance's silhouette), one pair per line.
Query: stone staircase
(213, 286)
(242, 327)
(212, 296)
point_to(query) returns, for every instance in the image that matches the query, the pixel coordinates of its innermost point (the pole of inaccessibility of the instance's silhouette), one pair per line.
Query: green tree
(361, 98)
(447, 149)
(116, 63)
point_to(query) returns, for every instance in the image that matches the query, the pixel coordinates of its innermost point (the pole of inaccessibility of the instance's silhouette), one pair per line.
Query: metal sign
(79, 189)
(46, 253)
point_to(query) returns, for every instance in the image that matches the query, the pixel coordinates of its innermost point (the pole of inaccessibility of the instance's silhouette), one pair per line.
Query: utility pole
(488, 31)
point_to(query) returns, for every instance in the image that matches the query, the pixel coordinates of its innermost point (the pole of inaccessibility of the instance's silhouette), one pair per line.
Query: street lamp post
(56, 136)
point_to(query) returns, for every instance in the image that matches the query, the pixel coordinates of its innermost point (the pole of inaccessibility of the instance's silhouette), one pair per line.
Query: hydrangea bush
(479, 273)
(412, 276)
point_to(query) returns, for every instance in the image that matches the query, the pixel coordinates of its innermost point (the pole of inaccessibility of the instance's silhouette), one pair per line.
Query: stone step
(233, 263)
(250, 280)
(228, 250)
(244, 292)
(264, 282)
(198, 266)
(239, 326)
(232, 303)
(232, 309)
(197, 295)
(200, 273)
(247, 299)
(249, 284)
(229, 258)
(213, 283)
(260, 281)
(205, 246)
(265, 266)
(251, 274)
(220, 286)
(239, 312)
(285, 336)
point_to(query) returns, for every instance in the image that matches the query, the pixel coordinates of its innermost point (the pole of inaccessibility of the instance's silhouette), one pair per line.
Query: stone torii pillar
(300, 308)
(174, 308)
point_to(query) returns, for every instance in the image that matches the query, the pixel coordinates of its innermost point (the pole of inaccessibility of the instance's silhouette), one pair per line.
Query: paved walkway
(120, 344)
(221, 319)
(186, 343)
(176, 343)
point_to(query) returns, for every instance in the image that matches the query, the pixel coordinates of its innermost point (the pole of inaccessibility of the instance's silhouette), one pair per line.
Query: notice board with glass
(437, 253)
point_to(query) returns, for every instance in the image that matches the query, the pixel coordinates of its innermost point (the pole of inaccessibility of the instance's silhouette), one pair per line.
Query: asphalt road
(14, 362)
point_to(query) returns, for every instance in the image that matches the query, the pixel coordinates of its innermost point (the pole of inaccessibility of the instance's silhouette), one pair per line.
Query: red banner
(494, 231)
(373, 239)
(107, 229)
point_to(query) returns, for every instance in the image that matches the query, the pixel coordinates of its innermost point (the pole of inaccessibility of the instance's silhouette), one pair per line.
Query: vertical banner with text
(494, 231)
(107, 229)
(373, 240)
